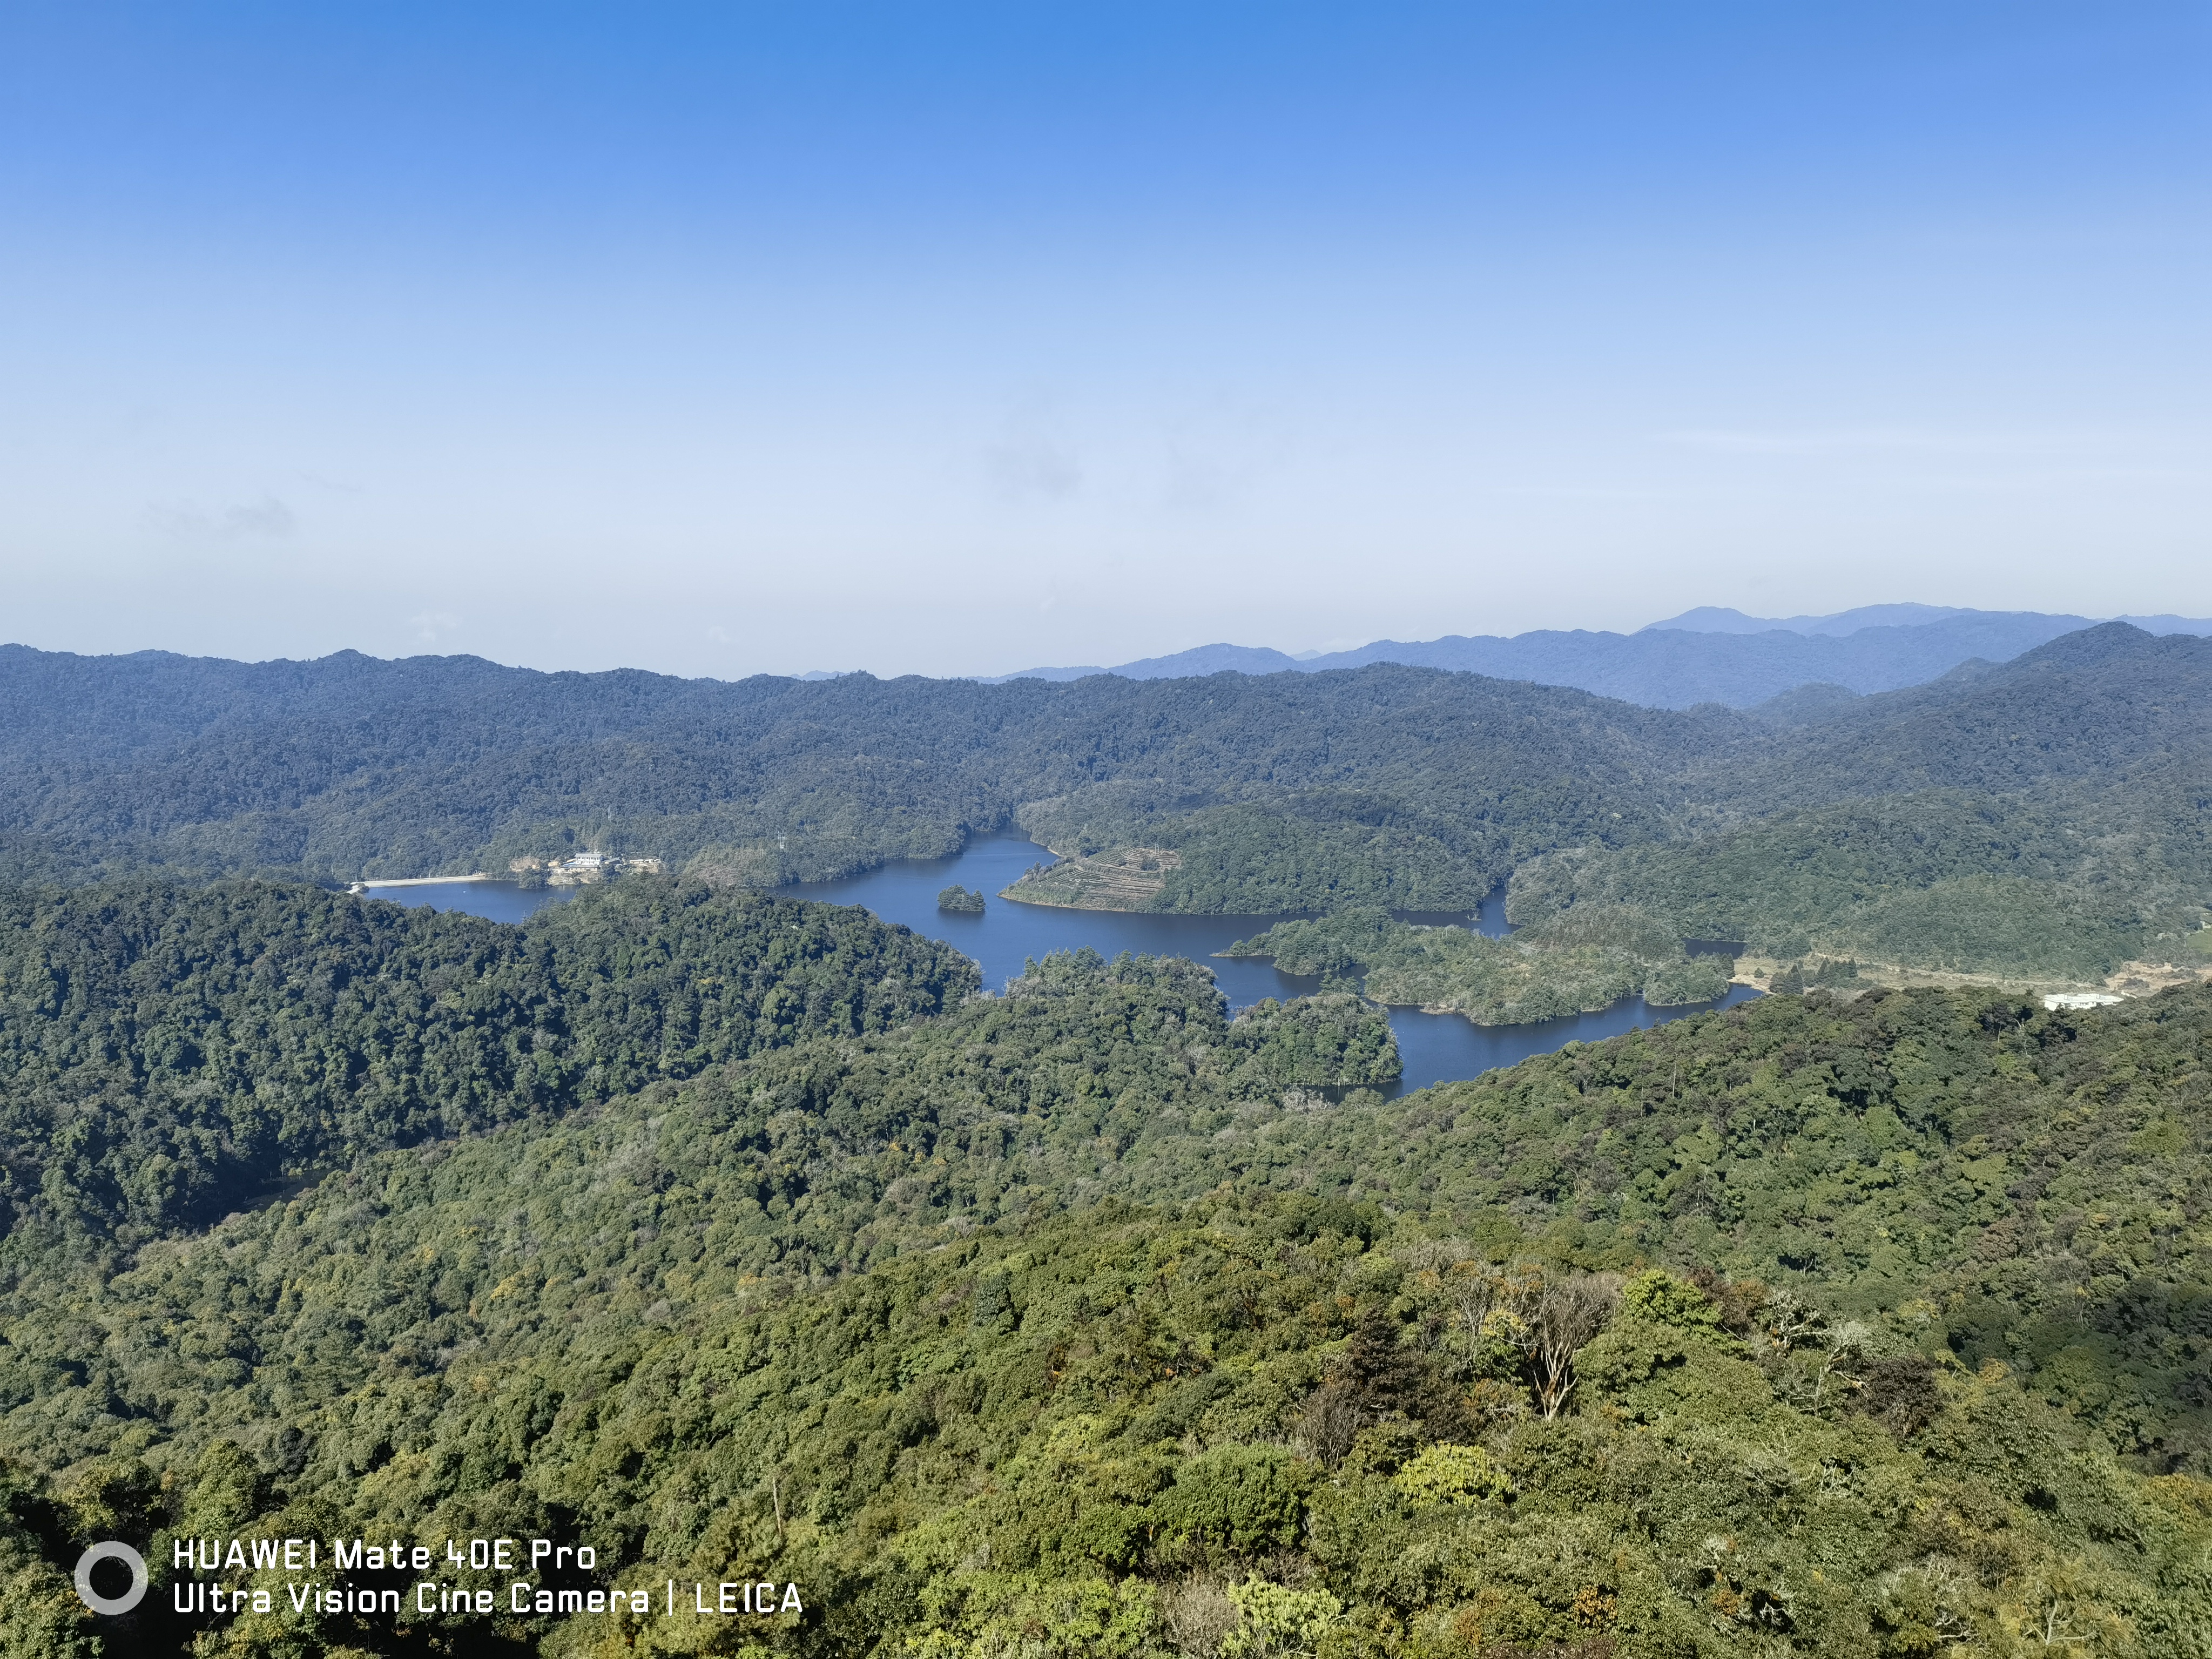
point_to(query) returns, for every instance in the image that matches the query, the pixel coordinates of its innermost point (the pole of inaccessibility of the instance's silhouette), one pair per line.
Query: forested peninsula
(1588, 958)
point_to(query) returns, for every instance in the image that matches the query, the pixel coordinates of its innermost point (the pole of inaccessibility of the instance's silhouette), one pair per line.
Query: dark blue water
(1444, 1048)
(1434, 1048)
(495, 900)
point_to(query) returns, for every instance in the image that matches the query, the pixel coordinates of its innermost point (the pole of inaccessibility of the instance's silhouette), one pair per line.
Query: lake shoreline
(1432, 1047)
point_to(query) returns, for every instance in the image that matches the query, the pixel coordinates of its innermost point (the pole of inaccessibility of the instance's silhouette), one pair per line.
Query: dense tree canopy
(1090, 1318)
(167, 1054)
(1243, 1429)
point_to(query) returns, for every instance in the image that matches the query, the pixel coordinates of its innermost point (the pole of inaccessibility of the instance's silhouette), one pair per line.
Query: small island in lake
(958, 898)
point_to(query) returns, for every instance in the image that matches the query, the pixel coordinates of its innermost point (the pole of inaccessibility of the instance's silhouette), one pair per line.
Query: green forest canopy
(1089, 1317)
(167, 1054)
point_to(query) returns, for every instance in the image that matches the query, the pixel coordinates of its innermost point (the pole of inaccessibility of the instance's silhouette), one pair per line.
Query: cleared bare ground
(1121, 878)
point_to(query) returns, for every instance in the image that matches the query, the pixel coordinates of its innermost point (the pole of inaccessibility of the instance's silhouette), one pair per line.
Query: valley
(1353, 1212)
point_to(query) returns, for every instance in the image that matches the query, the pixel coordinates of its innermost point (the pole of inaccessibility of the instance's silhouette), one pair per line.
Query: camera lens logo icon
(110, 1551)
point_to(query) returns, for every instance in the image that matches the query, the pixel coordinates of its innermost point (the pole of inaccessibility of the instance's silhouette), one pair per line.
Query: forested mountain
(168, 1054)
(2109, 705)
(1823, 822)
(350, 766)
(1073, 1321)
(2047, 816)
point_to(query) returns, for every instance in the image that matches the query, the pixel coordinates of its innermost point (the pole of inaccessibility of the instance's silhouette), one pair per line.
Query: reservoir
(1434, 1048)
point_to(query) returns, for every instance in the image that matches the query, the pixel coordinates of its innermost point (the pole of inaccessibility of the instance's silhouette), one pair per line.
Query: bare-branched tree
(1569, 1313)
(1545, 1316)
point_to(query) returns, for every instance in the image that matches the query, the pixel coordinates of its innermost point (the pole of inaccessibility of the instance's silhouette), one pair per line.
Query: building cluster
(579, 869)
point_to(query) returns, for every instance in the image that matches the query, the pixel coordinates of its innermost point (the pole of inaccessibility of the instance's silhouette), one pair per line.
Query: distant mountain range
(1711, 654)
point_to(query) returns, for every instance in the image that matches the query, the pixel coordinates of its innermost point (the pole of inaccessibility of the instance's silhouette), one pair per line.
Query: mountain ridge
(1708, 654)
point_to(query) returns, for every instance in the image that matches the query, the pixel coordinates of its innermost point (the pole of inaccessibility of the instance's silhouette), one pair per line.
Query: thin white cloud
(267, 518)
(1026, 469)
(1032, 460)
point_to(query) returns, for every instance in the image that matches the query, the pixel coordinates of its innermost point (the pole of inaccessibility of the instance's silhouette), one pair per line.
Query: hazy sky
(957, 337)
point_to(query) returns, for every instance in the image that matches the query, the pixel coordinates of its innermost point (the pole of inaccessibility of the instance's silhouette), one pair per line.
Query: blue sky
(726, 338)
